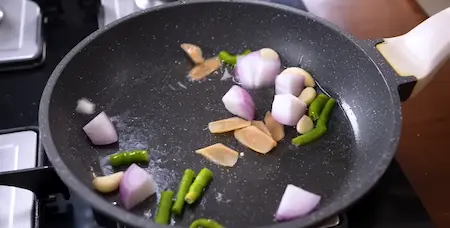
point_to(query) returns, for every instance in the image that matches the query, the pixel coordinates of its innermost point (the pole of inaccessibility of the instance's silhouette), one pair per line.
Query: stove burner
(21, 41)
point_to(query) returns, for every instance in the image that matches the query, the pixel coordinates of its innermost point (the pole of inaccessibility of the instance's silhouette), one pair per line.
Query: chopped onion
(239, 102)
(258, 69)
(100, 130)
(136, 186)
(309, 81)
(287, 109)
(289, 84)
(295, 203)
(226, 75)
(84, 106)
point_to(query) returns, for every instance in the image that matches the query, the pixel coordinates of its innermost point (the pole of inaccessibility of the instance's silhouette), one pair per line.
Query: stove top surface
(392, 203)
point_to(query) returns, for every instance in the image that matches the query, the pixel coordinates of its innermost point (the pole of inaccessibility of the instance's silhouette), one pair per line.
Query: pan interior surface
(137, 73)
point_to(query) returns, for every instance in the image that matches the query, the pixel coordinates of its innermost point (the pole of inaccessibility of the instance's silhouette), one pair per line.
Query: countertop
(423, 150)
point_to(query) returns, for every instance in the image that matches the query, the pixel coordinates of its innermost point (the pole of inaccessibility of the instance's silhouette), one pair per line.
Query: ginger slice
(255, 139)
(230, 124)
(220, 154)
(204, 69)
(194, 52)
(261, 126)
(276, 129)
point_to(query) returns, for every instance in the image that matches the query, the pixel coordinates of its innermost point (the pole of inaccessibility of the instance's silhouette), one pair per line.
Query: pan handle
(421, 52)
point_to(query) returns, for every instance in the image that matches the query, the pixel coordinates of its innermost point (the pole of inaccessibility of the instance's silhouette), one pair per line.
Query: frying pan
(134, 68)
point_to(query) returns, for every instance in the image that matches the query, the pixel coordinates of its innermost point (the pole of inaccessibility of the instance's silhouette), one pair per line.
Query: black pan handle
(42, 181)
(420, 52)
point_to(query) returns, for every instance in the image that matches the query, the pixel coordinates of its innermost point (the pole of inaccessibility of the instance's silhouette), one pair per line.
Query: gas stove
(34, 37)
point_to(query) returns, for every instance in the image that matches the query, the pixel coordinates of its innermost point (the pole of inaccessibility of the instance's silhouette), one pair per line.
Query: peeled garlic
(308, 95)
(106, 184)
(304, 125)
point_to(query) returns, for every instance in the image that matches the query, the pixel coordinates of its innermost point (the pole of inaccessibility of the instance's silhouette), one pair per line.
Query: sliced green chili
(202, 180)
(316, 106)
(309, 137)
(128, 157)
(205, 223)
(231, 59)
(163, 212)
(246, 52)
(227, 57)
(326, 111)
(183, 189)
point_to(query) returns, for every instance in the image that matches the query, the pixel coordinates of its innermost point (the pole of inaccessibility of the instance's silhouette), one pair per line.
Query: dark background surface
(391, 204)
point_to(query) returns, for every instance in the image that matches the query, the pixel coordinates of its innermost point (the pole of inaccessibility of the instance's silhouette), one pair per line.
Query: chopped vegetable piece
(289, 84)
(326, 111)
(227, 57)
(316, 106)
(226, 125)
(258, 69)
(309, 137)
(205, 223)
(183, 189)
(202, 180)
(309, 81)
(295, 203)
(100, 130)
(308, 95)
(276, 129)
(194, 52)
(136, 186)
(164, 207)
(231, 59)
(128, 157)
(204, 69)
(84, 106)
(246, 52)
(261, 126)
(220, 154)
(304, 125)
(255, 139)
(107, 184)
(226, 75)
(287, 109)
(239, 102)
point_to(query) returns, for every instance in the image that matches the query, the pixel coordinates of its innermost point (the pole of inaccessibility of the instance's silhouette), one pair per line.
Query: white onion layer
(287, 109)
(295, 203)
(100, 130)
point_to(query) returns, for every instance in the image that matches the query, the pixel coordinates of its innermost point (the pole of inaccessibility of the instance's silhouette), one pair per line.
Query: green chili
(311, 136)
(326, 111)
(246, 52)
(163, 212)
(231, 59)
(227, 57)
(205, 223)
(316, 106)
(202, 180)
(183, 189)
(128, 157)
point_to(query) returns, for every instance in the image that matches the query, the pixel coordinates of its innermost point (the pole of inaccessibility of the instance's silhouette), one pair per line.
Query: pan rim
(125, 217)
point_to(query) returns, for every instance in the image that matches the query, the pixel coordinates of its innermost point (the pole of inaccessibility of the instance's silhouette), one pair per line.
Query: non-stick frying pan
(133, 69)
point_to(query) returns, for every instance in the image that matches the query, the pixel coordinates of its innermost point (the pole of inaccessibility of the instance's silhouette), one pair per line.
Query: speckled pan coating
(135, 71)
